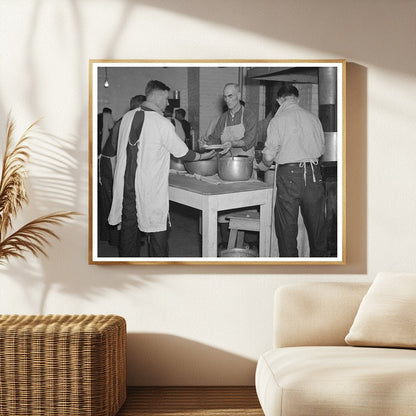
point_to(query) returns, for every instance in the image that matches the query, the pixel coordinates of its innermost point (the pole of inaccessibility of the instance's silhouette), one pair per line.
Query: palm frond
(33, 237)
(12, 183)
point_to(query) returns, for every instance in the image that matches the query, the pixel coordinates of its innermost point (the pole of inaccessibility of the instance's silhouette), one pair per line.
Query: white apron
(157, 141)
(236, 132)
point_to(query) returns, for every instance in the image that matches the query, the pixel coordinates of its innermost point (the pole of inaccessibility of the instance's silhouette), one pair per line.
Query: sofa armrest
(308, 314)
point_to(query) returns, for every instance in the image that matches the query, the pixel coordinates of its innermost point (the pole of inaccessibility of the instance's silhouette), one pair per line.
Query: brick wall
(252, 97)
(211, 83)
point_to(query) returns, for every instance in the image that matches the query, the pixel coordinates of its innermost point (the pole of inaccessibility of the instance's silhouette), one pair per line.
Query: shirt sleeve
(189, 157)
(215, 136)
(250, 134)
(272, 144)
(172, 142)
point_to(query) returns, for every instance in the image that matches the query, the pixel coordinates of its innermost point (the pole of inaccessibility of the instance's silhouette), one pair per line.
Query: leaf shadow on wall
(56, 184)
(333, 27)
(163, 359)
(52, 187)
(70, 191)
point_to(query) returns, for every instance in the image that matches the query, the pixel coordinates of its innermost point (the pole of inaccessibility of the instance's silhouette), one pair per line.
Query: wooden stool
(239, 222)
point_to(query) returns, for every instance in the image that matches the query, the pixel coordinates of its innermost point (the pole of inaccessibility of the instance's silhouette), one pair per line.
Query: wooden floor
(187, 401)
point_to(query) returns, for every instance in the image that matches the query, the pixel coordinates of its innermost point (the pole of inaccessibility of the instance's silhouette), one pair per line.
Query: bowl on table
(176, 164)
(207, 167)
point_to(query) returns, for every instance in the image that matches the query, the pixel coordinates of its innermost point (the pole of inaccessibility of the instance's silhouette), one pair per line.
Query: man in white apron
(237, 127)
(140, 191)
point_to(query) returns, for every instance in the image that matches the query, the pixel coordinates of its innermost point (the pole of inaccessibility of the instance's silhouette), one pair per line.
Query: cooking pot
(176, 164)
(207, 167)
(235, 168)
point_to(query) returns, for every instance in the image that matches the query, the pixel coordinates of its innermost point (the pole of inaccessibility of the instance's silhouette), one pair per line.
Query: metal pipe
(327, 93)
(241, 81)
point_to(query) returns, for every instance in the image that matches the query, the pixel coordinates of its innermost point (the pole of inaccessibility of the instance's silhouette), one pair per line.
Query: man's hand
(207, 155)
(203, 141)
(261, 166)
(227, 146)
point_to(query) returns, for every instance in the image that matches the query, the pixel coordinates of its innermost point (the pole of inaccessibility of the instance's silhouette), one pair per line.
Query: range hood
(285, 74)
(326, 79)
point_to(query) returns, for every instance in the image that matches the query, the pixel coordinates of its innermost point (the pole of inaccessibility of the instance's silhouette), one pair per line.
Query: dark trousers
(130, 235)
(131, 239)
(293, 192)
(107, 232)
(105, 196)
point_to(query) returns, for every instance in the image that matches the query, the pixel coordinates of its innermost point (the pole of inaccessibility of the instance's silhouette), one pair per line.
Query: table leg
(209, 229)
(265, 227)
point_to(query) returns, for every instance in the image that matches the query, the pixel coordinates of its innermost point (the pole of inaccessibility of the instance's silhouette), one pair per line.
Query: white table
(211, 198)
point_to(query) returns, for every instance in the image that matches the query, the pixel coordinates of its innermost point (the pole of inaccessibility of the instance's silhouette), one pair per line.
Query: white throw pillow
(387, 314)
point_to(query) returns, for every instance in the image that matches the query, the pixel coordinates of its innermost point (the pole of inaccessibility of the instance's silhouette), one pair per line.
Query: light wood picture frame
(215, 221)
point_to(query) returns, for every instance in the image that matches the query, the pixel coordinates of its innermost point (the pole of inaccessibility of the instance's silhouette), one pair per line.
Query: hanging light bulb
(106, 83)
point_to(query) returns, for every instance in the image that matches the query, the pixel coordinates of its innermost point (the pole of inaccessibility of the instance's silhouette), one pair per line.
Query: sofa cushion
(315, 314)
(304, 381)
(387, 314)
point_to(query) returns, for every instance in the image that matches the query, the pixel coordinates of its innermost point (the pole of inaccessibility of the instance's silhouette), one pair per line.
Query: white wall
(204, 324)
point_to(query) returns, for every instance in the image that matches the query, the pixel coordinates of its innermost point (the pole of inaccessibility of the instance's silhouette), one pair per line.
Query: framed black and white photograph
(217, 162)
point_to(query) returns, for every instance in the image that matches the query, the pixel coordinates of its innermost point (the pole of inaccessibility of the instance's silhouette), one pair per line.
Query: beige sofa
(311, 370)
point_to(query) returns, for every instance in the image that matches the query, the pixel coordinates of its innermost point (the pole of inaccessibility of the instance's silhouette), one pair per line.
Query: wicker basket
(71, 365)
